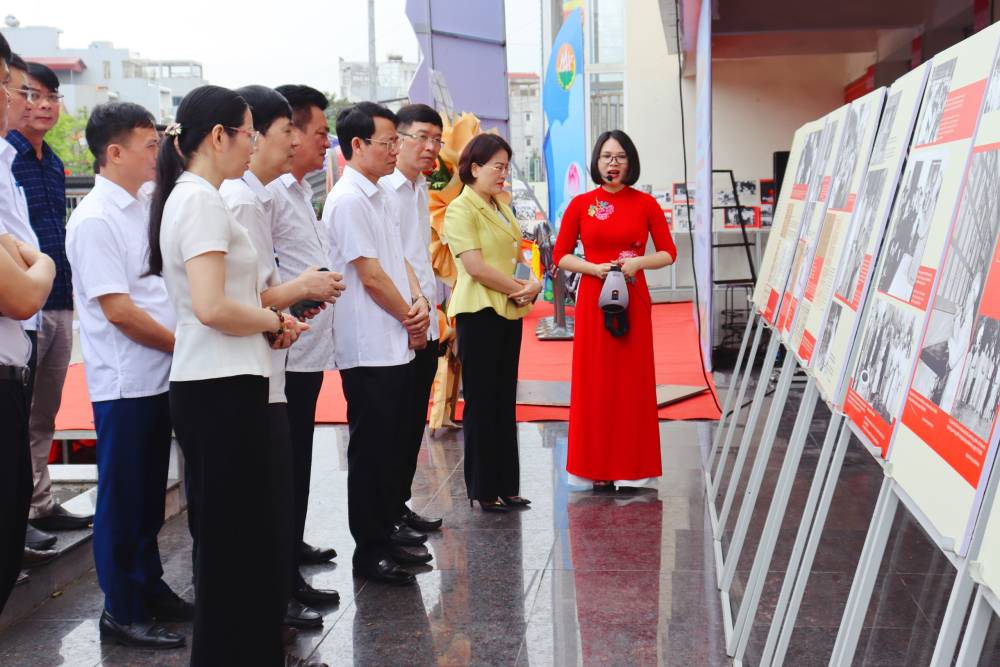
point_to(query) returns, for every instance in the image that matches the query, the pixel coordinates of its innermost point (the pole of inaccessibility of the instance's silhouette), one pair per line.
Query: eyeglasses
(391, 145)
(28, 94)
(253, 135)
(609, 158)
(424, 139)
(500, 167)
(51, 98)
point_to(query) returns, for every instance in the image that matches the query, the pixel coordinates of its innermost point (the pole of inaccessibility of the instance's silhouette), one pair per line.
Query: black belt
(15, 373)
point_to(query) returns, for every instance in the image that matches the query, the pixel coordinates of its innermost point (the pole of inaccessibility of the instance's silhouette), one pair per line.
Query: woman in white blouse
(219, 377)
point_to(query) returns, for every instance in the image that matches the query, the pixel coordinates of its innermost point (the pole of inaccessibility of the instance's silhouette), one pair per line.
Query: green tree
(336, 104)
(69, 142)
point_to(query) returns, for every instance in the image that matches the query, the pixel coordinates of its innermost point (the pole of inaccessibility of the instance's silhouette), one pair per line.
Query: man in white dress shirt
(379, 320)
(300, 242)
(420, 128)
(127, 333)
(252, 206)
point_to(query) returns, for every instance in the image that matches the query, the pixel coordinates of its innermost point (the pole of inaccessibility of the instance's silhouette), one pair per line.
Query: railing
(77, 188)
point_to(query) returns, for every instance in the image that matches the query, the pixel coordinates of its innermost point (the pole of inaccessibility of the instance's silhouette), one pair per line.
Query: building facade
(102, 72)
(394, 76)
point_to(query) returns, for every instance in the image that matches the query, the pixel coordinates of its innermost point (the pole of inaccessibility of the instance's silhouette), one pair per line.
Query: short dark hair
(358, 120)
(302, 99)
(266, 106)
(111, 123)
(5, 52)
(479, 151)
(17, 62)
(632, 176)
(419, 113)
(44, 76)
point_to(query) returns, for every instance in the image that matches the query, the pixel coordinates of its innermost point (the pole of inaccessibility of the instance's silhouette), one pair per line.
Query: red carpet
(677, 362)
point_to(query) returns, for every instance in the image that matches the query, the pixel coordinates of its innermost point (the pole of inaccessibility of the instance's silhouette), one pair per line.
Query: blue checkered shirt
(44, 183)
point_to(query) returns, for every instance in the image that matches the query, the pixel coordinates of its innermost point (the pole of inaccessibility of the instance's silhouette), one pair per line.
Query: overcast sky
(240, 43)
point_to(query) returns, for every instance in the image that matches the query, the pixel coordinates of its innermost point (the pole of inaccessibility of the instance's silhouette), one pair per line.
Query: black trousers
(377, 402)
(422, 369)
(302, 392)
(280, 451)
(489, 347)
(223, 428)
(16, 482)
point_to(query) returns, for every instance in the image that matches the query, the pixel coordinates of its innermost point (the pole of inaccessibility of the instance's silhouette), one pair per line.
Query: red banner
(960, 448)
(800, 190)
(772, 303)
(807, 347)
(922, 287)
(870, 422)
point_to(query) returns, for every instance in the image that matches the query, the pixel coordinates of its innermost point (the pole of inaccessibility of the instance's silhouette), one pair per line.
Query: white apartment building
(102, 72)
(524, 95)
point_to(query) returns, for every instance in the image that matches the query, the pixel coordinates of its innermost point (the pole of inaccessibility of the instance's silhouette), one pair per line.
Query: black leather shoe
(38, 540)
(310, 555)
(317, 597)
(170, 607)
(421, 523)
(61, 518)
(36, 557)
(404, 536)
(386, 571)
(300, 616)
(410, 556)
(140, 635)
(288, 634)
(292, 660)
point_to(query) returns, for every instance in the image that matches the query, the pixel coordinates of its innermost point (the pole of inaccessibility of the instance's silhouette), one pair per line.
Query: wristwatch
(272, 336)
(426, 300)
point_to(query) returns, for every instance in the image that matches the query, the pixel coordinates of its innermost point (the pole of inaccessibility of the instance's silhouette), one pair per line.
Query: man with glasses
(14, 215)
(378, 322)
(40, 172)
(421, 129)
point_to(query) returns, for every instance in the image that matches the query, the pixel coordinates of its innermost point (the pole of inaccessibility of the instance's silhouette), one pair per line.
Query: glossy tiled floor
(577, 579)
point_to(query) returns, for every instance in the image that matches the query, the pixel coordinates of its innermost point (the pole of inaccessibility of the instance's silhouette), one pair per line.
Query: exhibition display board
(842, 209)
(812, 218)
(918, 231)
(788, 214)
(873, 203)
(945, 439)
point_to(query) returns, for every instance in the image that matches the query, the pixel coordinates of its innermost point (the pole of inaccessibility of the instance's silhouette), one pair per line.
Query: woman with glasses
(613, 425)
(488, 304)
(219, 378)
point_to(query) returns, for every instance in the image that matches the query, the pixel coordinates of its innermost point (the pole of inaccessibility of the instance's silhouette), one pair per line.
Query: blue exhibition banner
(563, 101)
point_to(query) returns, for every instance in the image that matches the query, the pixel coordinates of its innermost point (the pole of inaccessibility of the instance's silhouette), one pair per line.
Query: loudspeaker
(780, 163)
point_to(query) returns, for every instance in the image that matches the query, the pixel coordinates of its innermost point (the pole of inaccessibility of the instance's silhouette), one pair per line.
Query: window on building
(176, 100)
(607, 31)
(527, 142)
(107, 69)
(527, 116)
(607, 103)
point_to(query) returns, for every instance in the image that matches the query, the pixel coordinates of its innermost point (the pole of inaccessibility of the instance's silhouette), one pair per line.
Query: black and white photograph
(993, 87)
(809, 162)
(682, 217)
(912, 215)
(953, 322)
(767, 197)
(979, 391)
(847, 157)
(859, 234)
(822, 352)
(882, 372)
(932, 106)
(746, 214)
(885, 128)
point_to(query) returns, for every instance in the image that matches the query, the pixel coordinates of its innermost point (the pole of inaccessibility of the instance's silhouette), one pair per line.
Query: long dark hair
(200, 110)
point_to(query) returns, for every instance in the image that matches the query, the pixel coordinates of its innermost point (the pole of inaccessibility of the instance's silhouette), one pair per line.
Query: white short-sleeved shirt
(107, 243)
(196, 221)
(300, 241)
(415, 229)
(363, 222)
(14, 212)
(14, 344)
(250, 203)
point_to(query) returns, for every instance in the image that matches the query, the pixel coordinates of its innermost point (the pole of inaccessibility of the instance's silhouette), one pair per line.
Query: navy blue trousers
(133, 454)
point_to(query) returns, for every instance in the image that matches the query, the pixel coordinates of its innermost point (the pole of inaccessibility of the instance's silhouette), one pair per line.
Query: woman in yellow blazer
(488, 304)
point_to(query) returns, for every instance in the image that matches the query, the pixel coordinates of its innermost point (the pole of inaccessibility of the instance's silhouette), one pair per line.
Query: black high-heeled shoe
(489, 506)
(515, 501)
